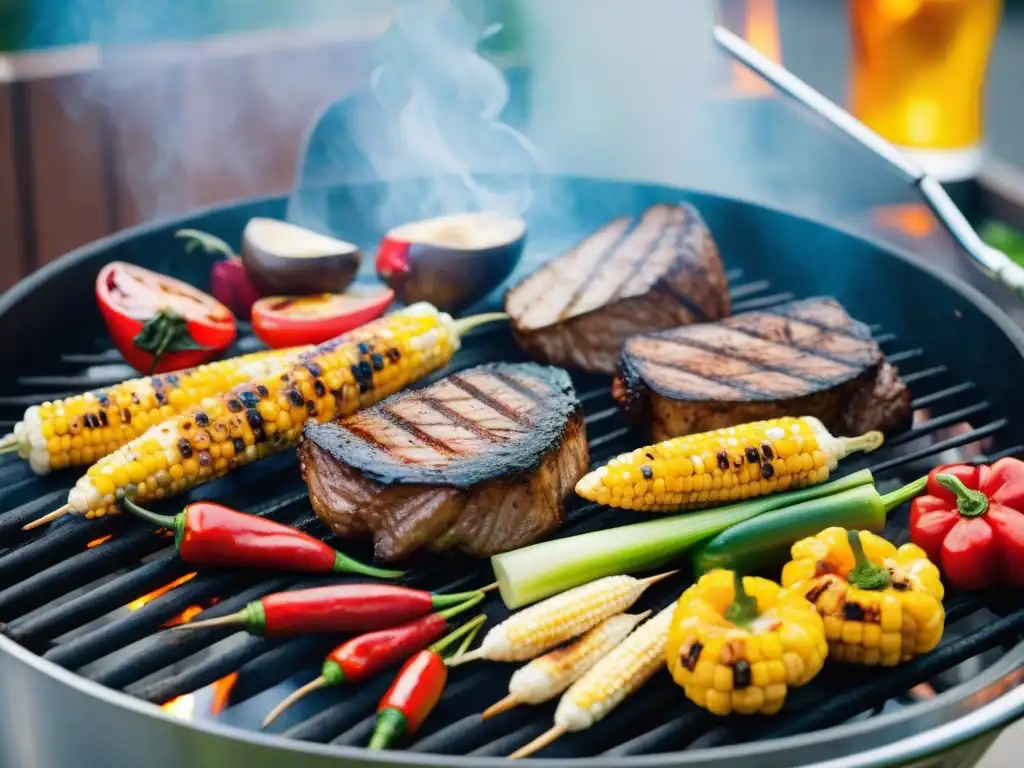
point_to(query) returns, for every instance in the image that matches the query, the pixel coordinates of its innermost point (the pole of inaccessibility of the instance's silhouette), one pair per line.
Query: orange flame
(135, 605)
(100, 540)
(757, 22)
(913, 219)
(182, 707)
(222, 693)
(185, 616)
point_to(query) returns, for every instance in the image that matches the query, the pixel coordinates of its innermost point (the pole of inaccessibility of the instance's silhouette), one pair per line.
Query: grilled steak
(480, 461)
(631, 276)
(804, 358)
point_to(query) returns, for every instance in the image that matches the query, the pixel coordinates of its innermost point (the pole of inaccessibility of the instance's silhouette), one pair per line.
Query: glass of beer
(919, 69)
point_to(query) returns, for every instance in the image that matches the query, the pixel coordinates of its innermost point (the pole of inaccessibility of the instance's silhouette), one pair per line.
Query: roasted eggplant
(283, 259)
(451, 261)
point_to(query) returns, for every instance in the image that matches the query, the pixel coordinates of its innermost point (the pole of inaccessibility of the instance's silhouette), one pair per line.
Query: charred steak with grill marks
(481, 461)
(803, 358)
(632, 276)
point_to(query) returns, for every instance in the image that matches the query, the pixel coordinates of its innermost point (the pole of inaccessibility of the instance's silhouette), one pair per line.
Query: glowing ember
(182, 707)
(135, 605)
(97, 542)
(185, 616)
(912, 219)
(757, 22)
(222, 693)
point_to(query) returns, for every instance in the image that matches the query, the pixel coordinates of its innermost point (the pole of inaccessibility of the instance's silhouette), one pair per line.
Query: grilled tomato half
(288, 321)
(160, 324)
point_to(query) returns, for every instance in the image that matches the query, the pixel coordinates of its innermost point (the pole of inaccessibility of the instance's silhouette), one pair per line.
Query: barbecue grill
(85, 666)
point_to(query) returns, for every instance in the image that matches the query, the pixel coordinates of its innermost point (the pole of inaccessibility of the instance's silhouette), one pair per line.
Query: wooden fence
(94, 141)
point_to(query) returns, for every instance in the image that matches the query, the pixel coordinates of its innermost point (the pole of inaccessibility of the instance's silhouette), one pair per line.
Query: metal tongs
(994, 262)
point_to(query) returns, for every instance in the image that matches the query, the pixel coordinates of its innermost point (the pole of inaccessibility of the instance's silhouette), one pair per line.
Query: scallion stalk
(532, 573)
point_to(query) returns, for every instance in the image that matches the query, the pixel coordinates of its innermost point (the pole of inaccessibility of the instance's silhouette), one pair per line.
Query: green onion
(540, 570)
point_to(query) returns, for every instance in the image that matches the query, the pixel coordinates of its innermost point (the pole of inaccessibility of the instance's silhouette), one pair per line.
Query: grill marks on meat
(802, 358)
(632, 276)
(481, 461)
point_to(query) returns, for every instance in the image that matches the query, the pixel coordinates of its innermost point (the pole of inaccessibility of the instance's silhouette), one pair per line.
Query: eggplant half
(284, 259)
(451, 261)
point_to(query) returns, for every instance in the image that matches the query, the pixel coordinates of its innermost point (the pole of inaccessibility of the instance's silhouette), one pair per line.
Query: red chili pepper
(338, 609)
(209, 534)
(971, 523)
(417, 689)
(363, 657)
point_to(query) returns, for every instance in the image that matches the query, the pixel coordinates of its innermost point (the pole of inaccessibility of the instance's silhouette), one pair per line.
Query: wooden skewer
(509, 702)
(544, 740)
(55, 515)
(308, 688)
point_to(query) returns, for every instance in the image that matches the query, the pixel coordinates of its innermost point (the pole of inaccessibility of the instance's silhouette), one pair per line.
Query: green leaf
(165, 332)
(210, 243)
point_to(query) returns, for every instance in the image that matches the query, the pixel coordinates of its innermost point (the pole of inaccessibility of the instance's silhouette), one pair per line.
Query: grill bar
(656, 721)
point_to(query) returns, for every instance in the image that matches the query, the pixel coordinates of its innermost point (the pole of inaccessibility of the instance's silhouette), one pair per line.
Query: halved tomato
(289, 321)
(158, 323)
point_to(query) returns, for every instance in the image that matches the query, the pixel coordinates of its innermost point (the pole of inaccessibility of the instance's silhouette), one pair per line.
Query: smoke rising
(432, 111)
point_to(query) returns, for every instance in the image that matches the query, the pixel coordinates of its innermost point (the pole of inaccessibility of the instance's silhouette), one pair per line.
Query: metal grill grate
(65, 599)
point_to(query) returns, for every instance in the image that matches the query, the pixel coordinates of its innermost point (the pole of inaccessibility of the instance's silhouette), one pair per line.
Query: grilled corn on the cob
(266, 415)
(881, 605)
(547, 676)
(722, 465)
(529, 633)
(738, 644)
(82, 429)
(619, 674)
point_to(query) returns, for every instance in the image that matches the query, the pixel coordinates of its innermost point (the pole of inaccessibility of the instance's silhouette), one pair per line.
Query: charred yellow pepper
(738, 644)
(881, 605)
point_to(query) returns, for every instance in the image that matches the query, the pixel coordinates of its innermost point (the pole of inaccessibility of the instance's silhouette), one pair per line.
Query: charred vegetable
(265, 416)
(739, 644)
(285, 321)
(723, 465)
(451, 261)
(283, 259)
(49, 434)
(160, 324)
(881, 605)
(229, 282)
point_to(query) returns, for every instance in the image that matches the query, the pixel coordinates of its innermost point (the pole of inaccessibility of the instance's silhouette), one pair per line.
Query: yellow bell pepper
(881, 605)
(738, 644)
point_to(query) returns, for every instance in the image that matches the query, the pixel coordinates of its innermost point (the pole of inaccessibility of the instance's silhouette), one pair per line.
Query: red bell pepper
(971, 523)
